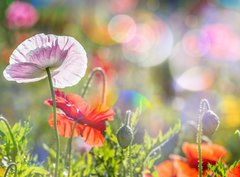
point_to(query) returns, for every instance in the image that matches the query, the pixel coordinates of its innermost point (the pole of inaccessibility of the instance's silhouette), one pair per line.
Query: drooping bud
(210, 122)
(125, 133)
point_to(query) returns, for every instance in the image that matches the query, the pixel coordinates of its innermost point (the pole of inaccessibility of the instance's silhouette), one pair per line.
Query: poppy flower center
(47, 56)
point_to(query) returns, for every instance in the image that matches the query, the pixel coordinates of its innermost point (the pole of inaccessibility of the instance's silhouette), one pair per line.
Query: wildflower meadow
(130, 88)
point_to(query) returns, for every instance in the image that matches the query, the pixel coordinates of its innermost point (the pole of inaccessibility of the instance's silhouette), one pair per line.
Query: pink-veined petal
(64, 55)
(21, 52)
(71, 71)
(24, 72)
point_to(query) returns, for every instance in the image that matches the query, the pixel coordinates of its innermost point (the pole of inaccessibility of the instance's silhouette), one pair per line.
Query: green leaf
(51, 151)
(34, 170)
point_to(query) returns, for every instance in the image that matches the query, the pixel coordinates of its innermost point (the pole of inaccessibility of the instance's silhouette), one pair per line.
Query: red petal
(166, 169)
(234, 172)
(183, 169)
(65, 126)
(78, 102)
(92, 136)
(211, 153)
(96, 117)
(69, 104)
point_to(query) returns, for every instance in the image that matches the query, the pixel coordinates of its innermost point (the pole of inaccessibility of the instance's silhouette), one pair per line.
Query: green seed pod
(210, 122)
(124, 136)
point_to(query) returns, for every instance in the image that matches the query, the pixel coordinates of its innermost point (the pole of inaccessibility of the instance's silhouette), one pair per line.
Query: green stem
(130, 160)
(70, 150)
(128, 123)
(55, 120)
(9, 167)
(204, 105)
(11, 135)
(123, 157)
(199, 148)
(93, 72)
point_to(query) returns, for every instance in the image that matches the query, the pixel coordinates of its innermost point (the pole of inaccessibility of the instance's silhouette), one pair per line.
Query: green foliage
(26, 163)
(237, 132)
(218, 169)
(112, 160)
(107, 161)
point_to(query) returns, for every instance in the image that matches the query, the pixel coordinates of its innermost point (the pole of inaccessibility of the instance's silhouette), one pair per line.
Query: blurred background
(161, 55)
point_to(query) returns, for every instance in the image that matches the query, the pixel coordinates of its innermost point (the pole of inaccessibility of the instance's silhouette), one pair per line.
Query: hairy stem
(70, 150)
(128, 117)
(9, 167)
(130, 160)
(11, 135)
(55, 120)
(204, 106)
(103, 74)
(93, 72)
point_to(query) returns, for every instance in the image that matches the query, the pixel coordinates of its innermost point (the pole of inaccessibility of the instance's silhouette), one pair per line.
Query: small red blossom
(166, 169)
(234, 172)
(90, 120)
(211, 153)
(179, 166)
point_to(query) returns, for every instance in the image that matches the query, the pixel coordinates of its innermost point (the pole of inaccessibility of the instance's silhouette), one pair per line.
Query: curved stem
(93, 72)
(128, 123)
(103, 74)
(11, 134)
(9, 167)
(204, 106)
(55, 120)
(128, 117)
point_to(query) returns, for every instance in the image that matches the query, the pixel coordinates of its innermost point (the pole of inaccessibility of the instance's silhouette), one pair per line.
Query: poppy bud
(210, 122)
(124, 136)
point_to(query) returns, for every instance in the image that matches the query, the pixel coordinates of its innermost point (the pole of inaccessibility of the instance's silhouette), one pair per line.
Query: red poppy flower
(234, 172)
(90, 120)
(178, 167)
(147, 173)
(166, 169)
(181, 167)
(211, 153)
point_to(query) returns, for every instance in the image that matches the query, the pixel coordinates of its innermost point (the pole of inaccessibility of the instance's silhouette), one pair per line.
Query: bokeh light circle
(190, 73)
(151, 44)
(122, 28)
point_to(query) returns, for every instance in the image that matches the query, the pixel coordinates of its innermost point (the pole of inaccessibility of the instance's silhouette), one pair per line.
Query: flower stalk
(9, 167)
(86, 87)
(11, 135)
(128, 123)
(103, 74)
(204, 106)
(55, 120)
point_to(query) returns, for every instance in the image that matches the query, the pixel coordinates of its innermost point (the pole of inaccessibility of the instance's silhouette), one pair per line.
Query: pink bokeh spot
(21, 15)
(63, 55)
(224, 42)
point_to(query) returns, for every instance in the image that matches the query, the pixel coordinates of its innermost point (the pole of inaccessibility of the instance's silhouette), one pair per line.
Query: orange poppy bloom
(181, 167)
(90, 120)
(147, 173)
(211, 153)
(234, 172)
(178, 167)
(166, 169)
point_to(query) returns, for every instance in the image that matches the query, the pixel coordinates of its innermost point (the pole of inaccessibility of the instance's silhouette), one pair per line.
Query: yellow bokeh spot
(231, 112)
